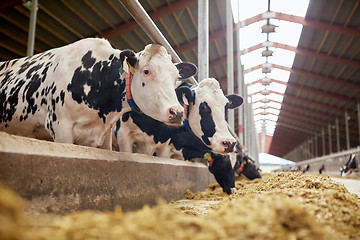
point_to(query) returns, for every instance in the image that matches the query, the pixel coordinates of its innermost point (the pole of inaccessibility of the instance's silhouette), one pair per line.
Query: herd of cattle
(91, 94)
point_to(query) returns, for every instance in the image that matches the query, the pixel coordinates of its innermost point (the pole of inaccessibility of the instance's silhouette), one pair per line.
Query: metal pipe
(203, 39)
(149, 27)
(337, 134)
(32, 28)
(347, 131)
(240, 84)
(230, 55)
(316, 146)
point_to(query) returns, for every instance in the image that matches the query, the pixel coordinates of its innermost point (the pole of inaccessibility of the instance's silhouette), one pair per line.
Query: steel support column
(203, 39)
(337, 134)
(347, 131)
(32, 28)
(240, 84)
(230, 58)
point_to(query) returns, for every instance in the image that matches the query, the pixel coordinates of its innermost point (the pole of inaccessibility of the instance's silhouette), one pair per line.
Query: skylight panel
(274, 104)
(279, 74)
(277, 87)
(276, 97)
(297, 8)
(287, 33)
(253, 76)
(282, 57)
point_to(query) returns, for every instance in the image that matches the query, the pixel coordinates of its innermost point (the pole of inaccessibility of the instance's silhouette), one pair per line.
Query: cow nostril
(175, 116)
(172, 113)
(228, 146)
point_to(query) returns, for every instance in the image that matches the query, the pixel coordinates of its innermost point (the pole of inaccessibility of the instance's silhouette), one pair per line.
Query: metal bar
(32, 28)
(329, 132)
(337, 134)
(230, 59)
(347, 131)
(149, 27)
(323, 142)
(203, 39)
(240, 84)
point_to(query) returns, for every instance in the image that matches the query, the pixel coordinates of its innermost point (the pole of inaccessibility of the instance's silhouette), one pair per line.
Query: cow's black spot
(55, 67)
(62, 97)
(207, 122)
(103, 95)
(53, 90)
(33, 69)
(143, 84)
(111, 56)
(87, 60)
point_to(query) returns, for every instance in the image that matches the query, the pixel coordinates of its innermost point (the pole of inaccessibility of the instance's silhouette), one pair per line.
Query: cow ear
(186, 70)
(234, 100)
(131, 57)
(185, 91)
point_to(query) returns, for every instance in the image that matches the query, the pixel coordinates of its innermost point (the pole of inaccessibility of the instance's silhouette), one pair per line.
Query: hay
(282, 206)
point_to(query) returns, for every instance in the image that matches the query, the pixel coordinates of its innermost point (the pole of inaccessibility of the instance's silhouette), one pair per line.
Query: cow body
(136, 132)
(207, 106)
(75, 93)
(349, 166)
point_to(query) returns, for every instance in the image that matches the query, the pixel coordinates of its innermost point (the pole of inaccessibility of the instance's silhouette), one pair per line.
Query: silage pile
(284, 206)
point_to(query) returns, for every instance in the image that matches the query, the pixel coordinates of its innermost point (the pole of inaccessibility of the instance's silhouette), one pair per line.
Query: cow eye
(146, 71)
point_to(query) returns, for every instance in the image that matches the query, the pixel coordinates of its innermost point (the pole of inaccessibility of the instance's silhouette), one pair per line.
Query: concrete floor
(352, 185)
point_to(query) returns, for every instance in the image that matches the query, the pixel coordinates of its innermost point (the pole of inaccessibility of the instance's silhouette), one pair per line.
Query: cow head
(245, 166)
(153, 83)
(349, 166)
(207, 110)
(222, 169)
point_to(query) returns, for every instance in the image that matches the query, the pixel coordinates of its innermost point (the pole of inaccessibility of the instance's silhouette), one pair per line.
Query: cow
(206, 106)
(137, 132)
(75, 93)
(244, 165)
(349, 166)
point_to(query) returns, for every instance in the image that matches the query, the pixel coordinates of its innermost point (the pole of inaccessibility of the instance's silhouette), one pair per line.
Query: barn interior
(306, 110)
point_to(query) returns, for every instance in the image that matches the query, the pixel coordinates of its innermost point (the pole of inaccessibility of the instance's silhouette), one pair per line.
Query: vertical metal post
(337, 134)
(323, 142)
(230, 58)
(240, 84)
(347, 131)
(32, 28)
(203, 39)
(329, 132)
(263, 137)
(246, 117)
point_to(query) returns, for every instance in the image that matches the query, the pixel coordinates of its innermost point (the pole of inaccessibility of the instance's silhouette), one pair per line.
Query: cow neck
(186, 114)
(128, 94)
(187, 111)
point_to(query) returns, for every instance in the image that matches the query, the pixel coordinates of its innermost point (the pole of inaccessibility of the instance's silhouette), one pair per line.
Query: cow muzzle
(175, 116)
(228, 146)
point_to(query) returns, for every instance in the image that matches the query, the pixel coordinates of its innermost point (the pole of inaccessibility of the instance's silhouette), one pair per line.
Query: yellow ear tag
(207, 156)
(131, 69)
(185, 101)
(125, 65)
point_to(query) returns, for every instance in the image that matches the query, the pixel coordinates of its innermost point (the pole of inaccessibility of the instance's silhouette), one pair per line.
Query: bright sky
(286, 33)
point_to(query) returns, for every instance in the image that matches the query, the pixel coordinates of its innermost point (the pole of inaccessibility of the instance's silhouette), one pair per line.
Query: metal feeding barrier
(136, 10)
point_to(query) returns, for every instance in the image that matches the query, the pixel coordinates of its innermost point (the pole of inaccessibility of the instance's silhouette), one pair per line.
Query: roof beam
(338, 28)
(161, 12)
(307, 53)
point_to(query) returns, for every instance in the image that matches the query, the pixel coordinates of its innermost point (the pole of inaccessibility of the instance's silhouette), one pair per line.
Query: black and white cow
(205, 115)
(206, 112)
(246, 166)
(75, 93)
(349, 166)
